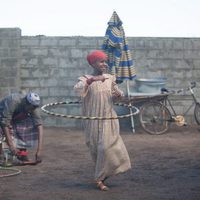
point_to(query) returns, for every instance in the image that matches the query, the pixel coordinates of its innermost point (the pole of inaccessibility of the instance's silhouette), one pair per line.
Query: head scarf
(33, 98)
(95, 56)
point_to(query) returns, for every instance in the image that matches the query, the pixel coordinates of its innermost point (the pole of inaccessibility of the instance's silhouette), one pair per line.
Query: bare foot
(101, 186)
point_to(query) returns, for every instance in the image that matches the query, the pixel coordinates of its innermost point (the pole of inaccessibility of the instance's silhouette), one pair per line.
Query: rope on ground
(9, 171)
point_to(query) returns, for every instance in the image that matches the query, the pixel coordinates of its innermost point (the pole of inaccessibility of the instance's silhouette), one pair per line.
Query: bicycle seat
(164, 90)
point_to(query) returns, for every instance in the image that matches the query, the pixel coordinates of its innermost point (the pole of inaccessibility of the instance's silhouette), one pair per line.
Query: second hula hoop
(134, 111)
(7, 172)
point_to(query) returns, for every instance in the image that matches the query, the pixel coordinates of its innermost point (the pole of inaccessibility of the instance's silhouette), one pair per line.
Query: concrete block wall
(176, 59)
(10, 54)
(50, 66)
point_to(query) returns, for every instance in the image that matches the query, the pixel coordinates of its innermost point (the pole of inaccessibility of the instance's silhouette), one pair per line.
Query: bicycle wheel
(154, 117)
(197, 113)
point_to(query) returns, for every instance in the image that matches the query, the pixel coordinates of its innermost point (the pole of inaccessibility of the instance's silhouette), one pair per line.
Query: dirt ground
(164, 167)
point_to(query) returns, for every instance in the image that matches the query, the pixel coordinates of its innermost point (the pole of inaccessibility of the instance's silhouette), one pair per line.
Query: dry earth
(165, 167)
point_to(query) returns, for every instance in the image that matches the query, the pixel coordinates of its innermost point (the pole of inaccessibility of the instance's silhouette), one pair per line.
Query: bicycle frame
(168, 104)
(157, 114)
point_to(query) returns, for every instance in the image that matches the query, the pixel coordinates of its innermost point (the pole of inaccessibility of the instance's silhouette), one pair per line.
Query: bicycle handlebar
(192, 85)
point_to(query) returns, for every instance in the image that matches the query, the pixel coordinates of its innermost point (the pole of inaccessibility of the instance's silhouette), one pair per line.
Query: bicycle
(156, 115)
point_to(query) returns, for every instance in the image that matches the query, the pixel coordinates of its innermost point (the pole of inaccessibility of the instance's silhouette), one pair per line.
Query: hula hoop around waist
(134, 111)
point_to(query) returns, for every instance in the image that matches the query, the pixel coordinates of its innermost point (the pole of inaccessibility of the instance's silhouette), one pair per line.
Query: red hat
(95, 56)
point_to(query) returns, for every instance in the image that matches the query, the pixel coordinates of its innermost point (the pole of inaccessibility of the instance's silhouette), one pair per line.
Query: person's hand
(99, 78)
(14, 151)
(117, 94)
(96, 78)
(38, 158)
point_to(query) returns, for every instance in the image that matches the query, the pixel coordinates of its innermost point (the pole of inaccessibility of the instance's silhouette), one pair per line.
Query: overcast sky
(141, 18)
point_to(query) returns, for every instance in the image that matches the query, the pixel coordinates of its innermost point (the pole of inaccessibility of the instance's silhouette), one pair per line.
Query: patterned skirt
(24, 132)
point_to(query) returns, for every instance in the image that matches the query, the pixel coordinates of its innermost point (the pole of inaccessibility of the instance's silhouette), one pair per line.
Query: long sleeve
(116, 92)
(36, 117)
(8, 106)
(81, 86)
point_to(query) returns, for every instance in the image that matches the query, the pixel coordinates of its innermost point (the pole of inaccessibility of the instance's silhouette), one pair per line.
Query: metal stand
(132, 119)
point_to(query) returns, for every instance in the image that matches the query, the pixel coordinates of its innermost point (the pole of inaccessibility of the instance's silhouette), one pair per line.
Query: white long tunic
(102, 136)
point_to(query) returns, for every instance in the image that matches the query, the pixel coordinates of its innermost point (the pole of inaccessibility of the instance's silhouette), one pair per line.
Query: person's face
(101, 66)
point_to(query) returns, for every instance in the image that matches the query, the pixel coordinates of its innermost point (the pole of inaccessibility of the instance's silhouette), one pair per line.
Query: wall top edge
(17, 29)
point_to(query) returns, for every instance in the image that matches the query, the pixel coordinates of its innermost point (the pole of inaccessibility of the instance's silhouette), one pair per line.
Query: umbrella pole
(131, 112)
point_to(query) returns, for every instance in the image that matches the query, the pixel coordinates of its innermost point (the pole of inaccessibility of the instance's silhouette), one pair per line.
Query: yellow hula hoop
(134, 111)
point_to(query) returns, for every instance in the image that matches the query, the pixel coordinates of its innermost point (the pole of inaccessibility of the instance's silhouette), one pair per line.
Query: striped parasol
(115, 45)
(120, 63)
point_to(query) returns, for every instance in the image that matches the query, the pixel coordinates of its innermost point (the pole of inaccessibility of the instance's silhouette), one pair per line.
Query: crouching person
(21, 125)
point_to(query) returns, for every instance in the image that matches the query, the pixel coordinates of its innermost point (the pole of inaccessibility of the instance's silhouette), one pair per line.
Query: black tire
(154, 117)
(197, 113)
